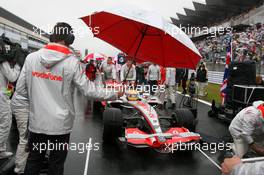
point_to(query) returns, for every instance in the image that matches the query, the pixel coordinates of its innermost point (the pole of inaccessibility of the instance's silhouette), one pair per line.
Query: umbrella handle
(141, 39)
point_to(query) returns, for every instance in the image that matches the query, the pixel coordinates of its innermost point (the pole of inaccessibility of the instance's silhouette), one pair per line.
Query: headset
(68, 38)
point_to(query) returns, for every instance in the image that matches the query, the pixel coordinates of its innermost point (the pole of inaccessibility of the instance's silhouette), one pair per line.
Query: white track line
(205, 102)
(202, 101)
(87, 157)
(209, 158)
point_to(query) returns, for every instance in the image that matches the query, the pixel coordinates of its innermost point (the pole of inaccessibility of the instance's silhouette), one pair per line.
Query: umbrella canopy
(95, 57)
(145, 36)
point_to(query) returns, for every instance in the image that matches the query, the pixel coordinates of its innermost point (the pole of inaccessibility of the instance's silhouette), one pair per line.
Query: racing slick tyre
(113, 125)
(184, 118)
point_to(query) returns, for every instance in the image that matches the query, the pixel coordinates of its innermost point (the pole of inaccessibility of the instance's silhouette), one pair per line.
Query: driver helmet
(260, 106)
(132, 95)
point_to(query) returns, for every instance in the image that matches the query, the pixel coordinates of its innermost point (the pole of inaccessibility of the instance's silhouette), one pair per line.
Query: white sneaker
(5, 154)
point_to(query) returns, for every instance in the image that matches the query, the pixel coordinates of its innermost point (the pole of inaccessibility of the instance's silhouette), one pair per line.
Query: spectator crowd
(247, 44)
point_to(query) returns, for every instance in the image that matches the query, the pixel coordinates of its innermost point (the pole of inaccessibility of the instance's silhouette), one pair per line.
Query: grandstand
(217, 12)
(243, 16)
(21, 31)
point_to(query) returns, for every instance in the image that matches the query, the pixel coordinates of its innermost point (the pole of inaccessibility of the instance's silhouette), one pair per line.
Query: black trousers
(151, 84)
(39, 144)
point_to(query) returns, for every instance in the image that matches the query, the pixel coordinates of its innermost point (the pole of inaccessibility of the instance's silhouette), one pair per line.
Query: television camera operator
(192, 90)
(11, 60)
(192, 85)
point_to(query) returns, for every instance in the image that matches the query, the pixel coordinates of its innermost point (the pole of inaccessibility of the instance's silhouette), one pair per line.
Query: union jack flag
(226, 73)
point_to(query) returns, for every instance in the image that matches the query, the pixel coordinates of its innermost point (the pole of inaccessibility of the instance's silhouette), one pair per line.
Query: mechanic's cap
(260, 106)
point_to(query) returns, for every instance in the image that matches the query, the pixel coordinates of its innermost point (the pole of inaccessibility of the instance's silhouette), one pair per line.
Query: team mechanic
(7, 74)
(20, 111)
(47, 80)
(247, 130)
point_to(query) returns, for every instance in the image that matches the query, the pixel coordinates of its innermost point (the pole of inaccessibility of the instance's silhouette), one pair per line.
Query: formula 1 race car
(134, 120)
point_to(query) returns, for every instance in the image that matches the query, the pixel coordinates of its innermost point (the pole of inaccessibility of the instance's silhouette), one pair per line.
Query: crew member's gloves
(258, 149)
(229, 164)
(9, 90)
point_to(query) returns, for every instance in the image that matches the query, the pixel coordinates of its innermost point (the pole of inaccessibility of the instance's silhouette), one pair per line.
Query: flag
(226, 72)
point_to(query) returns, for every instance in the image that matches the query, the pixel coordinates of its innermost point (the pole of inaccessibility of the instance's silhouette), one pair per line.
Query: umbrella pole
(141, 39)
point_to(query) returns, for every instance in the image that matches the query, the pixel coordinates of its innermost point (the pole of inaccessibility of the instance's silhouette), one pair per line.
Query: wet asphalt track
(122, 160)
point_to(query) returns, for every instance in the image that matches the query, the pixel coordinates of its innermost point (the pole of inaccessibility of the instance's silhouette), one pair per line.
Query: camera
(192, 85)
(11, 52)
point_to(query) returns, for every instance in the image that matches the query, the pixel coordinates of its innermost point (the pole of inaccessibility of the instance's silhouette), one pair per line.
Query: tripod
(189, 101)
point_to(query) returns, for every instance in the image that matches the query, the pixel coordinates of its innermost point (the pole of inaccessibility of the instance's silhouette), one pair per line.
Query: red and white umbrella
(145, 36)
(95, 57)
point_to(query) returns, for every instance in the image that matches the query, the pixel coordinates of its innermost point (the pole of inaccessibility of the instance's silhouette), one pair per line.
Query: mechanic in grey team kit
(47, 80)
(247, 130)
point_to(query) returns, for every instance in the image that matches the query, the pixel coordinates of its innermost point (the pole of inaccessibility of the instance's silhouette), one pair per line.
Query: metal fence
(216, 77)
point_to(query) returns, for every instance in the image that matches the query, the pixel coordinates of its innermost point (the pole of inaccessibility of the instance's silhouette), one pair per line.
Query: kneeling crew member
(247, 130)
